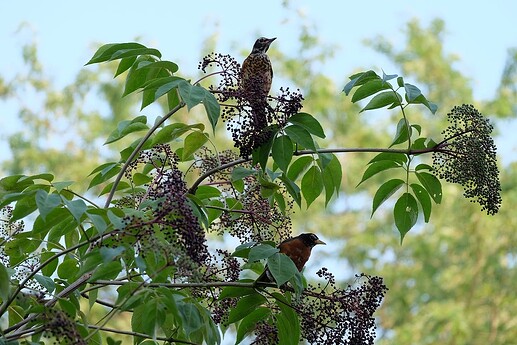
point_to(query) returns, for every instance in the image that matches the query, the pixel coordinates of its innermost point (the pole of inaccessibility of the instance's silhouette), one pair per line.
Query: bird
(256, 78)
(298, 249)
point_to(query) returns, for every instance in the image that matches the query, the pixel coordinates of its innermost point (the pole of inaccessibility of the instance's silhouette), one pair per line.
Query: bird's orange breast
(297, 251)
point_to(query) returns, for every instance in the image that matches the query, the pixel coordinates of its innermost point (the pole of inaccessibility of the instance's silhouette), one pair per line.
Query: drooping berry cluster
(57, 324)
(166, 213)
(331, 315)
(251, 119)
(25, 264)
(247, 215)
(467, 156)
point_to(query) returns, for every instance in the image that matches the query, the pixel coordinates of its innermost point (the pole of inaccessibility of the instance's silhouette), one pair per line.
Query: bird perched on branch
(256, 78)
(298, 249)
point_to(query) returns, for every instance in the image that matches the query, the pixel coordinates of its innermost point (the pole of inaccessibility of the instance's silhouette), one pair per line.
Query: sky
(478, 32)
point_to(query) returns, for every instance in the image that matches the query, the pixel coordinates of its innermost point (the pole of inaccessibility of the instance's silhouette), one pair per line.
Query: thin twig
(142, 335)
(137, 149)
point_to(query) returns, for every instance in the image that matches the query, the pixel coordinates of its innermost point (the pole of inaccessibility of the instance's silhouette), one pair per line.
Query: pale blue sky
(479, 32)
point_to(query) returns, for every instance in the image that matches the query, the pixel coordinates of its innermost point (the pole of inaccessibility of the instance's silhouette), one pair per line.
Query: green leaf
(267, 188)
(249, 322)
(192, 95)
(4, 283)
(76, 207)
(212, 108)
(370, 88)
(126, 127)
(332, 176)
(235, 291)
(96, 216)
(412, 92)
(385, 191)
(108, 171)
(299, 166)
(245, 306)
(174, 131)
(292, 188)
(359, 79)
(156, 88)
(207, 192)
(405, 213)
(308, 122)
(262, 251)
(415, 96)
(377, 167)
(312, 184)
(24, 207)
(425, 200)
(288, 324)
(402, 134)
(193, 142)
(300, 136)
(46, 202)
(282, 151)
(68, 269)
(142, 73)
(282, 268)
(114, 51)
(387, 77)
(106, 271)
(110, 254)
(242, 250)
(400, 82)
(59, 186)
(146, 316)
(238, 173)
(400, 158)
(51, 266)
(261, 154)
(383, 99)
(124, 65)
(423, 166)
(431, 184)
(46, 282)
(122, 185)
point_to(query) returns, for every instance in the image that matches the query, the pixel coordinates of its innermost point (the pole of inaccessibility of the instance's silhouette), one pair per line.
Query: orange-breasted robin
(256, 78)
(298, 249)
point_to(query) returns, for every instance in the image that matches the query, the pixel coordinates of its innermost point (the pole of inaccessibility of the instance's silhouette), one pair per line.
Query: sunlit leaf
(385, 191)
(405, 213)
(282, 151)
(312, 184)
(431, 184)
(425, 200)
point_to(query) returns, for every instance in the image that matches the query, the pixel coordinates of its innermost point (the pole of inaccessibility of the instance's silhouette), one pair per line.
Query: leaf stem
(137, 149)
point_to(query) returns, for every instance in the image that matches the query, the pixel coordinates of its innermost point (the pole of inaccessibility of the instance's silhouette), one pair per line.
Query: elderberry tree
(143, 255)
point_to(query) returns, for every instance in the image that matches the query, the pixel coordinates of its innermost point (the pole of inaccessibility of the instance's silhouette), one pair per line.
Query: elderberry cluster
(467, 156)
(57, 324)
(251, 119)
(331, 315)
(247, 215)
(167, 212)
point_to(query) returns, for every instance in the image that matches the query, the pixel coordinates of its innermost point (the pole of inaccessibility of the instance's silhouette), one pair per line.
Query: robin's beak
(271, 40)
(319, 242)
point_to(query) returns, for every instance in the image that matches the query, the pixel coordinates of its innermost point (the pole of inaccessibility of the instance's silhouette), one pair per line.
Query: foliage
(168, 189)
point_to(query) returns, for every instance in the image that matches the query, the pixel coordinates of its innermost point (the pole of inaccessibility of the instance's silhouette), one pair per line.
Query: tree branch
(177, 285)
(142, 335)
(201, 178)
(137, 149)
